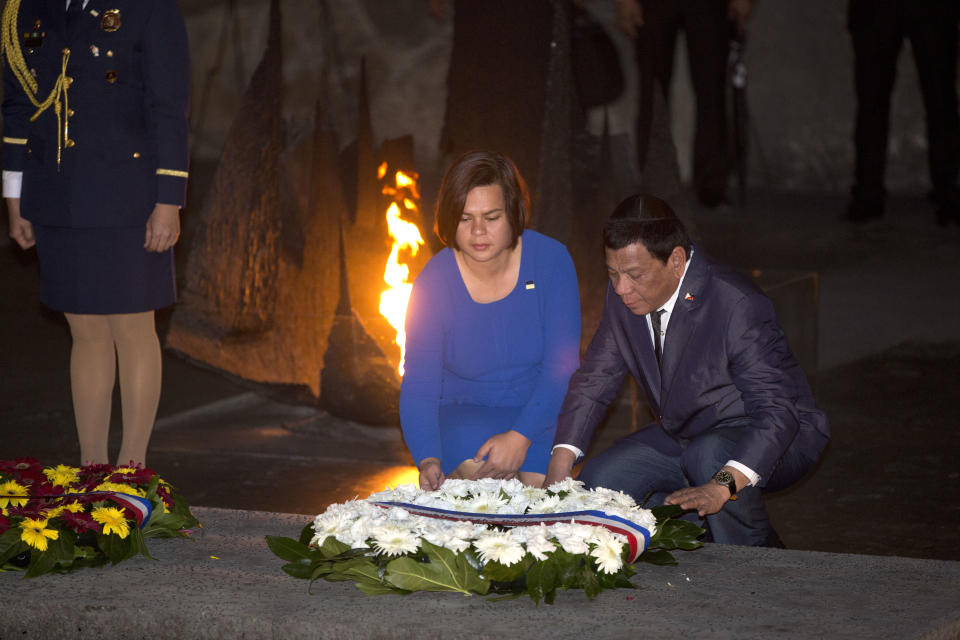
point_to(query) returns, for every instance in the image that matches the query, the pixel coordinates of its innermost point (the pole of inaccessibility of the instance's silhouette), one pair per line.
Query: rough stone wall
(800, 84)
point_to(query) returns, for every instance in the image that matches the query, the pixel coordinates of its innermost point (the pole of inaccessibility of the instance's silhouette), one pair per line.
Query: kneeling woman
(493, 333)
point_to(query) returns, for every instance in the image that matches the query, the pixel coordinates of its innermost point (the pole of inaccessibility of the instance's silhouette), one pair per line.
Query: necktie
(74, 11)
(657, 348)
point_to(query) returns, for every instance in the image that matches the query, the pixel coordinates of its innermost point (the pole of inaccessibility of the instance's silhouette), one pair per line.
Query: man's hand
(431, 475)
(163, 228)
(504, 453)
(629, 16)
(20, 230)
(560, 467)
(709, 498)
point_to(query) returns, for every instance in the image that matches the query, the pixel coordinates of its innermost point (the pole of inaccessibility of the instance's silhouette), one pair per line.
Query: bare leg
(138, 356)
(93, 367)
(532, 478)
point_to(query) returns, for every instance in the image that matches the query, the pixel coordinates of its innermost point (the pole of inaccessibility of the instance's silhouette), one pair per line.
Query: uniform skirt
(102, 271)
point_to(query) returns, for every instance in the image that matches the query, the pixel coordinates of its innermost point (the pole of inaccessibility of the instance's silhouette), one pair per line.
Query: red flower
(165, 495)
(20, 464)
(80, 522)
(34, 509)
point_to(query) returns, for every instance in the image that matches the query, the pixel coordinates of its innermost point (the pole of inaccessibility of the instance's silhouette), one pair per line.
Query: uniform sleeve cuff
(12, 184)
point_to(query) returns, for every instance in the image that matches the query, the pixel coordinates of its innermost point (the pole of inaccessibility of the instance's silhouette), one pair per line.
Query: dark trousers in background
(707, 31)
(878, 29)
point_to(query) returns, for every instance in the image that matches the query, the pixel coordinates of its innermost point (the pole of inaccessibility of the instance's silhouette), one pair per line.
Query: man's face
(643, 282)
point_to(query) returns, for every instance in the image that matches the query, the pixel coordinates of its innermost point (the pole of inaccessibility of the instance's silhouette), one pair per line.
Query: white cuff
(568, 446)
(745, 470)
(12, 183)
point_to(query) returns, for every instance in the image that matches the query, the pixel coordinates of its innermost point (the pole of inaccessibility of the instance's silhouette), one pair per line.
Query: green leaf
(498, 572)
(301, 570)
(568, 568)
(332, 547)
(666, 512)
(677, 534)
(542, 580)
(40, 563)
(659, 557)
(289, 549)
(306, 534)
(362, 570)
(589, 582)
(117, 549)
(446, 571)
(165, 525)
(11, 545)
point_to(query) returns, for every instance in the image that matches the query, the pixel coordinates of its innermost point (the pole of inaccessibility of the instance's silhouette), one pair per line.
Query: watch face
(723, 477)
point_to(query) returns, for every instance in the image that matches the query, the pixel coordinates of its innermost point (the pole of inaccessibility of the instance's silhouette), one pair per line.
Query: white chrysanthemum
(537, 541)
(576, 501)
(446, 536)
(518, 504)
(456, 487)
(397, 514)
(547, 504)
(607, 552)
(488, 485)
(499, 546)
(567, 484)
(395, 539)
(484, 502)
(572, 537)
(617, 499)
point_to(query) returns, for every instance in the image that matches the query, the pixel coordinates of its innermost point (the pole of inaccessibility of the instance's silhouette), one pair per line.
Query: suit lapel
(647, 359)
(684, 322)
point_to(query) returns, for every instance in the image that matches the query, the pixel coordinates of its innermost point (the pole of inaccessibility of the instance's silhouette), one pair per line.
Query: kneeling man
(734, 412)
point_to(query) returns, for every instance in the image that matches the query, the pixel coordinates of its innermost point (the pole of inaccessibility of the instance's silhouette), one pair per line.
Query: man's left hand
(163, 228)
(707, 499)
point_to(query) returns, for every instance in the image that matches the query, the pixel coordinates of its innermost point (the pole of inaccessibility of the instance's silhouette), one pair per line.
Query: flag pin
(688, 297)
(529, 285)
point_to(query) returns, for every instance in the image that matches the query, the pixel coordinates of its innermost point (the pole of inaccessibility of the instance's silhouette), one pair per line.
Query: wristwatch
(725, 478)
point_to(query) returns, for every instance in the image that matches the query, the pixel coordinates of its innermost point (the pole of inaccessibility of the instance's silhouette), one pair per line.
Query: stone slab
(226, 584)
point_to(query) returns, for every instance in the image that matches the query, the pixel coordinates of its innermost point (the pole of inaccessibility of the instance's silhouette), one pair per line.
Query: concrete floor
(889, 483)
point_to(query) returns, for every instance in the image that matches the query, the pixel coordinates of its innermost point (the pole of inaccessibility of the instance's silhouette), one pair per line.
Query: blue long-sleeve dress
(474, 370)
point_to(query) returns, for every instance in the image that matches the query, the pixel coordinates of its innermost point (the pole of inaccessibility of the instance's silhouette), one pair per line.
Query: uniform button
(136, 154)
(110, 53)
(66, 51)
(111, 76)
(69, 144)
(68, 80)
(70, 113)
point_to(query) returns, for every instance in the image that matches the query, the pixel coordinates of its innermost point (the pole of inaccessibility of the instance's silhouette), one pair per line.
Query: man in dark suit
(734, 412)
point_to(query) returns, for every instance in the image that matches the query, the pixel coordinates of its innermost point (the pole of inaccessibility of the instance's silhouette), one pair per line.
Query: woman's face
(484, 232)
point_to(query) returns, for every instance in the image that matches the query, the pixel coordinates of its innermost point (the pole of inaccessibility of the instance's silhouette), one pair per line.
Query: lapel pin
(688, 298)
(529, 285)
(95, 50)
(110, 21)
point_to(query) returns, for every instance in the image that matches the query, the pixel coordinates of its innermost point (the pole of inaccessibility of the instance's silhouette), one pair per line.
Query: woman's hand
(163, 228)
(20, 230)
(431, 475)
(504, 453)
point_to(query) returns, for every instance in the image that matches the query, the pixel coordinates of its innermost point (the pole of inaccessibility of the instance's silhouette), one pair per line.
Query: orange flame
(406, 237)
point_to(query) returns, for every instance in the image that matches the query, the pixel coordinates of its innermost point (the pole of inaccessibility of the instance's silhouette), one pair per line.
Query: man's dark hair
(649, 220)
(480, 169)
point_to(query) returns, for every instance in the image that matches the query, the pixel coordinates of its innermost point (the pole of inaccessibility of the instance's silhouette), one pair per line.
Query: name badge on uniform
(110, 21)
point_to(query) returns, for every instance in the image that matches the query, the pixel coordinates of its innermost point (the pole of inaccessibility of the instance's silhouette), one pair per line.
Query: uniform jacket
(128, 75)
(726, 363)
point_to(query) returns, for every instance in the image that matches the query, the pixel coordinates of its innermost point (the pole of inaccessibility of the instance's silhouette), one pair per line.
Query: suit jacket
(125, 105)
(726, 363)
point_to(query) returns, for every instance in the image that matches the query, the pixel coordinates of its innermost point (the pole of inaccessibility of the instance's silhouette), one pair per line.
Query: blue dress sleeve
(560, 313)
(423, 366)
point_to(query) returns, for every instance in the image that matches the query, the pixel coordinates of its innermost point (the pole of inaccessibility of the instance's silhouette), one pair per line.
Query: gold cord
(10, 47)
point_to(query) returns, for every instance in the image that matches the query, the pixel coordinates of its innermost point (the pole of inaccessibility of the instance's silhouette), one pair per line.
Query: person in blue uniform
(94, 174)
(493, 333)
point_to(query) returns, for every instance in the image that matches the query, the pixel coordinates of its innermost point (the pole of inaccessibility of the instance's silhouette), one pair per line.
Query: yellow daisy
(8, 490)
(120, 488)
(35, 533)
(113, 521)
(62, 475)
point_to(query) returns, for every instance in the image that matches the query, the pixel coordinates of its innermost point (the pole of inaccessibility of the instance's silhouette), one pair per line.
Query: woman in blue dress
(493, 333)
